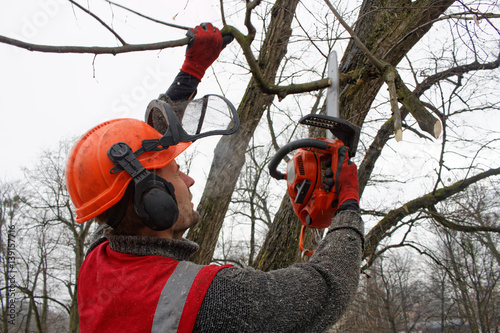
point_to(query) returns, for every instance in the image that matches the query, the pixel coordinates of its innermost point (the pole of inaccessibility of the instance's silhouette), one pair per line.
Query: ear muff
(155, 202)
(154, 198)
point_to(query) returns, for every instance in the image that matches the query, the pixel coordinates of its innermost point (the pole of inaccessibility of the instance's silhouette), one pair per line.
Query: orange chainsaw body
(311, 175)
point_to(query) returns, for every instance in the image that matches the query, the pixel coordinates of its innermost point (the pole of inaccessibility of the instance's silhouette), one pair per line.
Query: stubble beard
(195, 218)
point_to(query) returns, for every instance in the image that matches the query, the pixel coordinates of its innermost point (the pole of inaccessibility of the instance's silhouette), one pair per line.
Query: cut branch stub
(398, 91)
(390, 79)
(426, 121)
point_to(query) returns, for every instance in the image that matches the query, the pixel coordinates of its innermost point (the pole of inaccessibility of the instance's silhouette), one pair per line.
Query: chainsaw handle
(281, 153)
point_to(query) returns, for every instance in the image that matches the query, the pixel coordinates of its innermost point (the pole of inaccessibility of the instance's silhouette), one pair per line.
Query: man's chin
(195, 218)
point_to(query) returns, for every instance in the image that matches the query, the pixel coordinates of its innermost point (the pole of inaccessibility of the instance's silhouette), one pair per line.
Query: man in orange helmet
(137, 277)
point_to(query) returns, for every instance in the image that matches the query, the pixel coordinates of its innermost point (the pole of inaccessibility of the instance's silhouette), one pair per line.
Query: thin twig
(99, 20)
(461, 16)
(223, 16)
(173, 25)
(377, 63)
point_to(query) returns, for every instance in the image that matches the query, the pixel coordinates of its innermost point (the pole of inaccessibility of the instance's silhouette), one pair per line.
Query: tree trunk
(280, 248)
(389, 29)
(229, 155)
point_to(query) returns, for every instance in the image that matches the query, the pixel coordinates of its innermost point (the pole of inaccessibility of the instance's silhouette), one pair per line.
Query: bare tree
(392, 298)
(470, 258)
(51, 208)
(251, 200)
(441, 301)
(46, 236)
(394, 76)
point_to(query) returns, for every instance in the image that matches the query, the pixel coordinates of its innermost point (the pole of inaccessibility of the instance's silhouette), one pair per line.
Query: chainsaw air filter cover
(310, 179)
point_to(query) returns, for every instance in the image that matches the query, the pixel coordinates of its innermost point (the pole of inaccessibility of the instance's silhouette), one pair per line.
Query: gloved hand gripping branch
(205, 44)
(203, 49)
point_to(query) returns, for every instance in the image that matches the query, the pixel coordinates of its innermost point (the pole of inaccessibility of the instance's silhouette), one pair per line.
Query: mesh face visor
(206, 116)
(210, 115)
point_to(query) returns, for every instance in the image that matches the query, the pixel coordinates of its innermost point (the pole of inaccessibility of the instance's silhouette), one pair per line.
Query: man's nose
(187, 180)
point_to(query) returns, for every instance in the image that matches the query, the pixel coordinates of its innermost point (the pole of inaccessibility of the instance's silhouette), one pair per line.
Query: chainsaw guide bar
(341, 129)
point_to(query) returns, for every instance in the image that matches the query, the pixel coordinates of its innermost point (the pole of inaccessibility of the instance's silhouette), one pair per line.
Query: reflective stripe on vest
(173, 297)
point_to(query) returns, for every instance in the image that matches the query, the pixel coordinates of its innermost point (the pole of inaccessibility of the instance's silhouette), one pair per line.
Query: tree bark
(389, 29)
(281, 247)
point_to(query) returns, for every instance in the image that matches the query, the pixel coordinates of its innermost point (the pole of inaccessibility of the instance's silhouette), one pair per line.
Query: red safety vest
(120, 292)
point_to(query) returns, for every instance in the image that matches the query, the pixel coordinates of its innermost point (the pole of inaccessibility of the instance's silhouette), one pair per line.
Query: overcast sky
(45, 98)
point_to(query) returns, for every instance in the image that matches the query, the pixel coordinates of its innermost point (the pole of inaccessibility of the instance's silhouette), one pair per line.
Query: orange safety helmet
(92, 186)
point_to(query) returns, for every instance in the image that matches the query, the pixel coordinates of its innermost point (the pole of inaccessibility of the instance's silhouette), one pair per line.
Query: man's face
(188, 217)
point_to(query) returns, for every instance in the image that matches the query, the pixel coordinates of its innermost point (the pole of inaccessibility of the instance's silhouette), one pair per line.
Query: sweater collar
(152, 246)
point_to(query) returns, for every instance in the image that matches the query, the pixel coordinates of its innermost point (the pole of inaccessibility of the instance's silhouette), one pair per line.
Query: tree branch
(264, 85)
(439, 218)
(380, 65)
(94, 49)
(222, 15)
(384, 133)
(99, 20)
(392, 218)
(173, 25)
(64, 306)
(426, 121)
(248, 14)
(243, 41)
(398, 126)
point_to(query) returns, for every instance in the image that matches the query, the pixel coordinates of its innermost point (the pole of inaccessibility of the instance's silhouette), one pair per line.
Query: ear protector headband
(154, 199)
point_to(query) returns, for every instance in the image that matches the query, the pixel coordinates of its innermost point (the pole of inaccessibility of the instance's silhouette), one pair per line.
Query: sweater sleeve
(182, 89)
(308, 297)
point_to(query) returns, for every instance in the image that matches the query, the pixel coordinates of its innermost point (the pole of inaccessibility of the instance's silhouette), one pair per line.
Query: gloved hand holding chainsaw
(321, 179)
(348, 192)
(348, 187)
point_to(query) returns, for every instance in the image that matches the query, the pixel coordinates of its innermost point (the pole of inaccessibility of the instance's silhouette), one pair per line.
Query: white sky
(46, 97)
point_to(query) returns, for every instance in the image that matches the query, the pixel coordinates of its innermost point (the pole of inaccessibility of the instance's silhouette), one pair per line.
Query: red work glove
(203, 49)
(347, 181)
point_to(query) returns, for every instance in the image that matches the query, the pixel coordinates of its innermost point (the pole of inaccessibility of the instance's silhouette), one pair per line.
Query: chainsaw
(313, 171)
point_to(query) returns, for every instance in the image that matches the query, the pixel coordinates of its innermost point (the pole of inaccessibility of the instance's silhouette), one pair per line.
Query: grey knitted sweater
(308, 297)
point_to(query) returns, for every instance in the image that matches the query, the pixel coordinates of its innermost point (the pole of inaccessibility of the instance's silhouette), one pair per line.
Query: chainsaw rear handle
(281, 153)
